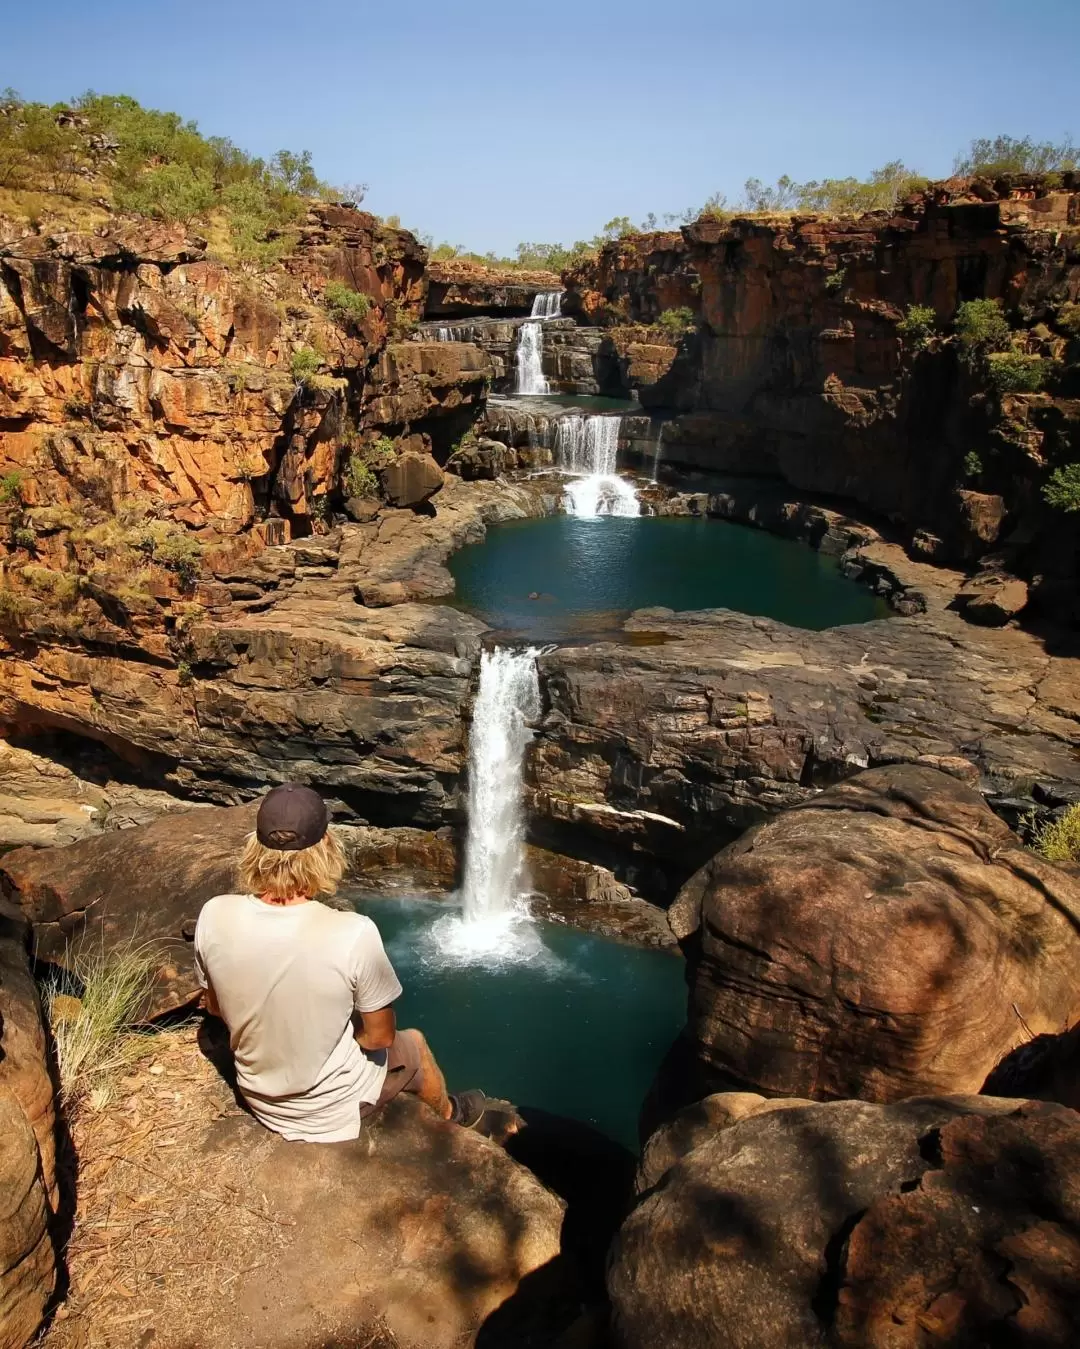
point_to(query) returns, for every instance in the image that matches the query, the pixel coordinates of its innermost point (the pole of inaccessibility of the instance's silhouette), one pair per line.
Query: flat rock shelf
(564, 578)
(557, 1019)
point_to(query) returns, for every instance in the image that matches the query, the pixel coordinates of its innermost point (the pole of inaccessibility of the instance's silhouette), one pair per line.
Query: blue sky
(486, 123)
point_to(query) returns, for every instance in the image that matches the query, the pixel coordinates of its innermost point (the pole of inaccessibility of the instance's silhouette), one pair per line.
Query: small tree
(994, 156)
(982, 327)
(1063, 489)
(917, 326)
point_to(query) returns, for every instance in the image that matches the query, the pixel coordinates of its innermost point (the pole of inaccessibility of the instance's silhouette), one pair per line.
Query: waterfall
(508, 697)
(659, 450)
(530, 360)
(547, 304)
(587, 449)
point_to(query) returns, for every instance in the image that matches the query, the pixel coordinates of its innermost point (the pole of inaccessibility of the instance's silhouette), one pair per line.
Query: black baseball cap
(291, 817)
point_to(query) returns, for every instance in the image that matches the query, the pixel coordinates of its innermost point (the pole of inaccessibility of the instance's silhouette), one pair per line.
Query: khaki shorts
(402, 1070)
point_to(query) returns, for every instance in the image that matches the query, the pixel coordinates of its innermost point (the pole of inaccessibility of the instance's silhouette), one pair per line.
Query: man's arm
(210, 1002)
(376, 1029)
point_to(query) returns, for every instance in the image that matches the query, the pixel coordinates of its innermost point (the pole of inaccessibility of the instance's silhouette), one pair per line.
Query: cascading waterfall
(587, 449)
(547, 304)
(530, 360)
(496, 877)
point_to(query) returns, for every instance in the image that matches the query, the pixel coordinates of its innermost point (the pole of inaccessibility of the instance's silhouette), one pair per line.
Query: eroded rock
(889, 938)
(931, 1221)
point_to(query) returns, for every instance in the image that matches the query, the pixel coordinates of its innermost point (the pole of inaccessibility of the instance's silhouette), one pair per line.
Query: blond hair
(285, 873)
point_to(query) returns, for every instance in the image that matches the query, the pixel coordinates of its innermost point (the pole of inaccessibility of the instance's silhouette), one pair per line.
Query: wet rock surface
(889, 938)
(931, 1221)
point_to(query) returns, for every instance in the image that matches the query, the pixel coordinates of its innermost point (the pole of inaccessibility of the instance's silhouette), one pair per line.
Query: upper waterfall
(588, 448)
(547, 304)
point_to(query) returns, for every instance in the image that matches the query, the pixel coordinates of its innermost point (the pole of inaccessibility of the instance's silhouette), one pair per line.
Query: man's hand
(376, 1029)
(210, 1002)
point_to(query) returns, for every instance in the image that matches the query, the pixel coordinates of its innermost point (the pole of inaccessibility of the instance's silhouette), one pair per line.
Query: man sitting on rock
(306, 990)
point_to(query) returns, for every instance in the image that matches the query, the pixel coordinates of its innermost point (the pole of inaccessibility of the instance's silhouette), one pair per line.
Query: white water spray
(530, 360)
(547, 304)
(587, 448)
(494, 916)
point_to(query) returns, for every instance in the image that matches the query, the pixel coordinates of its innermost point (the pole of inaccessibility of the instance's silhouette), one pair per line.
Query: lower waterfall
(494, 915)
(587, 448)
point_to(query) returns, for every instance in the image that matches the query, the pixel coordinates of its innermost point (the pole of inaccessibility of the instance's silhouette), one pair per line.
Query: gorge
(631, 653)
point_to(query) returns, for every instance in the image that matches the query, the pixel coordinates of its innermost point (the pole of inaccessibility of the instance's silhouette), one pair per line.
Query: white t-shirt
(287, 978)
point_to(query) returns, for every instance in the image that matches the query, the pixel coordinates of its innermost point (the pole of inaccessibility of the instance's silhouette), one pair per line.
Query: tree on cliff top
(835, 196)
(1008, 154)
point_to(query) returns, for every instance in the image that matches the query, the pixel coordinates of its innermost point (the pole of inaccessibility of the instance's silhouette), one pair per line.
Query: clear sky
(486, 123)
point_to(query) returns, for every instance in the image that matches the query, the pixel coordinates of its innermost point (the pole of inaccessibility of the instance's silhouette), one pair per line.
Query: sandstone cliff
(802, 358)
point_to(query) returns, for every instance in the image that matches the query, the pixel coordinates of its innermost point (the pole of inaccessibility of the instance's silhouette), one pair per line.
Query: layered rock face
(889, 938)
(699, 725)
(797, 365)
(953, 1221)
(461, 289)
(28, 1192)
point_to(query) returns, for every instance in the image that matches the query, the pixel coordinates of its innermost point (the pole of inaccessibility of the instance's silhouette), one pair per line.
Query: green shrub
(917, 326)
(168, 192)
(981, 326)
(1068, 319)
(22, 537)
(973, 464)
(13, 607)
(1062, 491)
(381, 451)
(1015, 372)
(174, 549)
(304, 363)
(11, 486)
(834, 281)
(358, 480)
(183, 673)
(677, 322)
(345, 304)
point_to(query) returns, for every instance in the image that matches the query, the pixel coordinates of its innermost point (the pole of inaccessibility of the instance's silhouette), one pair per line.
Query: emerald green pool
(586, 575)
(563, 1020)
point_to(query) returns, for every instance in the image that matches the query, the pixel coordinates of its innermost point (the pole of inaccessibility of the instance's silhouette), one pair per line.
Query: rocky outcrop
(458, 288)
(888, 938)
(699, 725)
(946, 1221)
(28, 1193)
(796, 363)
(434, 389)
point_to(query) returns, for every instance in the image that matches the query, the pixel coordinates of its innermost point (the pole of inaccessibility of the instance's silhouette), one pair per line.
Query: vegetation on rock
(993, 157)
(1063, 489)
(917, 326)
(677, 322)
(359, 476)
(348, 306)
(94, 1008)
(982, 327)
(1059, 840)
(155, 164)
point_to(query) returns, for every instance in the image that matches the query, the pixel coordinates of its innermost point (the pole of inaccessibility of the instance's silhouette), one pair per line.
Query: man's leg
(429, 1083)
(411, 1067)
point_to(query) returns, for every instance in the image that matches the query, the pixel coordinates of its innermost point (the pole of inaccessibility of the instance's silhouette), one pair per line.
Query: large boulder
(889, 938)
(27, 1145)
(145, 884)
(411, 479)
(928, 1222)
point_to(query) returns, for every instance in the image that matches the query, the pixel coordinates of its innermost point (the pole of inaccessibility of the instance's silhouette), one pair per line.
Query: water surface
(588, 574)
(578, 1028)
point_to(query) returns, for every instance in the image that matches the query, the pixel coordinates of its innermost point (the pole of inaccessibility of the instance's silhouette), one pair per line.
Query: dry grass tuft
(1059, 841)
(94, 1009)
(149, 1252)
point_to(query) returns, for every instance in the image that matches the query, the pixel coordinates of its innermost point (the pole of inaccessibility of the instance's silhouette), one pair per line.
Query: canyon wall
(798, 360)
